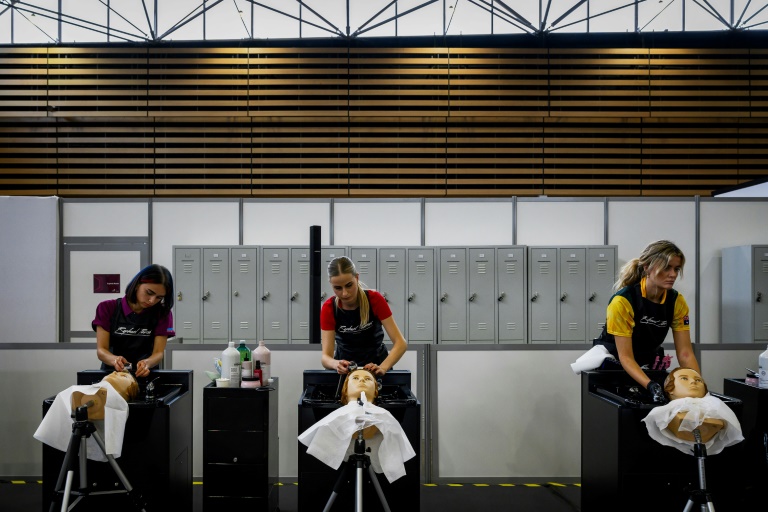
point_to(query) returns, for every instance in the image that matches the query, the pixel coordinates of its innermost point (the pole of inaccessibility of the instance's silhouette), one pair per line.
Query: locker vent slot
(765, 267)
(482, 326)
(544, 326)
(244, 267)
(276, 267)
(215, 267)
(187, 268)
(511, 326)
(216, 325)
(275, 325)
(453, 326)
(392, 268)
(765, 326)
(420, 326)
(363, 267)
(544, 267)
(244, 326)
(573, 326)
(453, 268)
(186, 325)
(573, 268)
(482, 267)
(511, 267)
(421, 268)
(600, 325)
(304, 267)
(602, 268)
(303, 325)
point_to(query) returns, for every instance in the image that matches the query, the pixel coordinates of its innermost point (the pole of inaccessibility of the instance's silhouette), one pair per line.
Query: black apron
(361, 344)
(131, 336)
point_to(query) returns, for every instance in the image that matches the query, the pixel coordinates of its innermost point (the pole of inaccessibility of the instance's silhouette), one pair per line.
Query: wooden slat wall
(379, 120)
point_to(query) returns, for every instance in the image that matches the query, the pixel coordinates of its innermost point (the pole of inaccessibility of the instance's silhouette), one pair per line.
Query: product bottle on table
(245, 352)
(763, 370)
(230, 365)
(263, 355)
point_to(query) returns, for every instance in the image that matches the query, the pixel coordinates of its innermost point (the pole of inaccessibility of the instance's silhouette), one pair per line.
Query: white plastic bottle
(763, 370)
(262, 353)
(230, 359)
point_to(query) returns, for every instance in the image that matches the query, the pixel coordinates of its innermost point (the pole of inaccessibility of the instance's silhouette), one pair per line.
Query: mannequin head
(124, 383)
(358, 381)
(684, 383)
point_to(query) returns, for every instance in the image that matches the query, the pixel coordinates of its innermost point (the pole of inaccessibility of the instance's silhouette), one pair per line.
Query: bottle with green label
(245, 352)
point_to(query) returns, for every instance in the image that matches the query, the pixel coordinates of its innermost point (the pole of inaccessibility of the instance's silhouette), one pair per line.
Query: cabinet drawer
(234, 447)
(241, 480)
(236, 413)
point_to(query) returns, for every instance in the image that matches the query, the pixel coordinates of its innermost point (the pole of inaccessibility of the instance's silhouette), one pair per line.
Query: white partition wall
(377, 223)
(468, 223)
(560, 222)
(285, 222)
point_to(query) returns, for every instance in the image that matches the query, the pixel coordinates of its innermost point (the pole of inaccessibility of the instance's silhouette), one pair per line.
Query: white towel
(591, 359)
(56, 428)
(331, 439)
(698, 409)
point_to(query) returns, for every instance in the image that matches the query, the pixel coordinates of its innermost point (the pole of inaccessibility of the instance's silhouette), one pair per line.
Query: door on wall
(96, 269)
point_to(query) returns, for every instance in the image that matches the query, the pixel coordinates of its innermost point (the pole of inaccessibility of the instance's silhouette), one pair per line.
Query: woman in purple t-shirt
(135, 329)
(353, 322)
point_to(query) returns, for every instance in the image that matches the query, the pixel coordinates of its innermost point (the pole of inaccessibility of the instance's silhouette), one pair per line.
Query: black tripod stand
(82, 429)
(700, 496)
(360, 460)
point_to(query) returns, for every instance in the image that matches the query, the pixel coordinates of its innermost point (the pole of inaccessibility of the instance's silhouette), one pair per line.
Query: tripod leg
(137, 498)
(66, 467)
(337, 486)
(377, 486)
(67, 490)
(83, 463)
(359, 487)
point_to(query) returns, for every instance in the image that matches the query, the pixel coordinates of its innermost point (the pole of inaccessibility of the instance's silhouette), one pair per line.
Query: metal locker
(275, 274)
(482, 295)
(215, 294)
(511, 296)
(365, 262)
(452, 290)
(601, 273)
(243, 283)
(391, 279)
(542, 301)
(187, 280)
(572, 294)
(744, 294)
(299, 297)
(421, 295)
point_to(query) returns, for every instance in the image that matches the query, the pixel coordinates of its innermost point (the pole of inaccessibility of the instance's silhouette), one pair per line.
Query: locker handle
(178, 297)
(236, 294)
(207, 294)
(563, 296)
(472, 297)
(322, 296)
(411, 296)
(534, 297)
(501, 297)
(593, 297)
(294, 295)
(265, 296)
(445, 296)
(384, 294)
(759, 297)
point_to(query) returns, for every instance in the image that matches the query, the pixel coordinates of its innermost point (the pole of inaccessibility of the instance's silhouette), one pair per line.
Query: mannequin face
(124, 383)
(357, 382)
(688, 384)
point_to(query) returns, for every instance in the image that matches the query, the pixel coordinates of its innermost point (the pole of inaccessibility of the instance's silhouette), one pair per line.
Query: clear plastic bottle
(245, 352)
(263, 355)
(763, 370)
(230, 365)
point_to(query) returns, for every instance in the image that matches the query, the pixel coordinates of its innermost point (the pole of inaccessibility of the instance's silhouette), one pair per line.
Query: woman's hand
(142, 368)
(342, 366)
(119, 363)
(375, 369)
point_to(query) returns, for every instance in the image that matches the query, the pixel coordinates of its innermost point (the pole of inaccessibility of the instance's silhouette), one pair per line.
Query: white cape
(698, 409)
(331, 439)
(56, 428)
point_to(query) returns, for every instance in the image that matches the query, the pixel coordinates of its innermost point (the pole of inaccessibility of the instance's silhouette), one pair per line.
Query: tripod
(360, 460)
(700, 496)
(82, 429)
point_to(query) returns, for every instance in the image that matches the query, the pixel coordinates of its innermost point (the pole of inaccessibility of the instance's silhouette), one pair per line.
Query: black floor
(520, 497)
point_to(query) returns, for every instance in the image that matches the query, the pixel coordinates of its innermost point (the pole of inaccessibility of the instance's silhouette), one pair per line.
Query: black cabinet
(240, 448)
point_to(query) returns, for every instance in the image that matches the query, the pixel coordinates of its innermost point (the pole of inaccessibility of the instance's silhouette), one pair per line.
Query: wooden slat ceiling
(381, 121)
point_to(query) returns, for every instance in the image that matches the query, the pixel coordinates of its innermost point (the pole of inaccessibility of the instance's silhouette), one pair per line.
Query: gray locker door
(391, 279)
(452, 309)
(188, 282)
(421, 296)
(482, 295)
(244, 272)
(542, 303)
(215, 294)
(760, 273)
(366, 264)
(511, 298)
(299, 299)
(274, 294)
(572, 294)
(601, 271)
